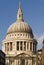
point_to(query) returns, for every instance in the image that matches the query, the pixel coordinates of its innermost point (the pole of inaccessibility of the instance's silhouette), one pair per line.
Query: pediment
(23, 55)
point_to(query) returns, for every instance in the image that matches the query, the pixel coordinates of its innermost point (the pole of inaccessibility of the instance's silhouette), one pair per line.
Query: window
(28, 45)
(10, 46)
(31, 46)
(15, 34)
(22, 61)
(34, 47)
(17, 45)
(24, 45)
(20, 34)
(7, 46)
(23, 34)
(21, 45)
(19, 15)
(10, 35)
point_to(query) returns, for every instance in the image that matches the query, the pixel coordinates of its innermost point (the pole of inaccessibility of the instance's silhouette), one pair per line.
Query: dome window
(15, 34)
(20, 34)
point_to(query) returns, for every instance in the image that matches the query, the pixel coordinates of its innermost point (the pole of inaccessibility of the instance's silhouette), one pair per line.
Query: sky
(33, 14)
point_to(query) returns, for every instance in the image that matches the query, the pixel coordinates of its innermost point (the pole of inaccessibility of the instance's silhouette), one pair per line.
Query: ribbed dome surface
(19, 27)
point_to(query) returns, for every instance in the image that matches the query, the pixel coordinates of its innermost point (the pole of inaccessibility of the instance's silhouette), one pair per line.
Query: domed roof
(19, 25)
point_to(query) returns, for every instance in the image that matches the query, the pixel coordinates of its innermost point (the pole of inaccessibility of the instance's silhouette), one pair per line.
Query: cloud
(40, 39)
(35, 36)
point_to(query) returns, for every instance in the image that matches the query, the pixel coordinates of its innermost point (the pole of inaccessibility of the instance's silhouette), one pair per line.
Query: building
(38, 57)
(19, 44)
(2, 58)
(42, 56)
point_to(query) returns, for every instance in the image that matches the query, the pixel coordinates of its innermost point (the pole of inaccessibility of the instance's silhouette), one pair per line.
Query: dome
(19, 25)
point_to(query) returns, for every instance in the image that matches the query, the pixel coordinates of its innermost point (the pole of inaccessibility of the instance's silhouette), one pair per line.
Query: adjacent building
(38, 57)
(19, 44)
(42, 56)
(2, 58)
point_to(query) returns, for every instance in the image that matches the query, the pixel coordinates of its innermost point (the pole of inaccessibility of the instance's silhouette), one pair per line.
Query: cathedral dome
(19, 25)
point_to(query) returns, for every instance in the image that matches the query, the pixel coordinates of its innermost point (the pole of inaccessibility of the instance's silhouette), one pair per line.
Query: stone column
(35, 63)
(28, 62)
(6, 47)
(25, 62)
(15, 62)
(15, 46)
(19, 62)
(32, 46)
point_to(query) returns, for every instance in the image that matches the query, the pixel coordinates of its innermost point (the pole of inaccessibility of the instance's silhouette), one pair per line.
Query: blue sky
(33, 13)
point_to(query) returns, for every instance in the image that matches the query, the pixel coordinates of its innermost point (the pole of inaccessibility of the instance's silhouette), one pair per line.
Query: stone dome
(19, 25)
